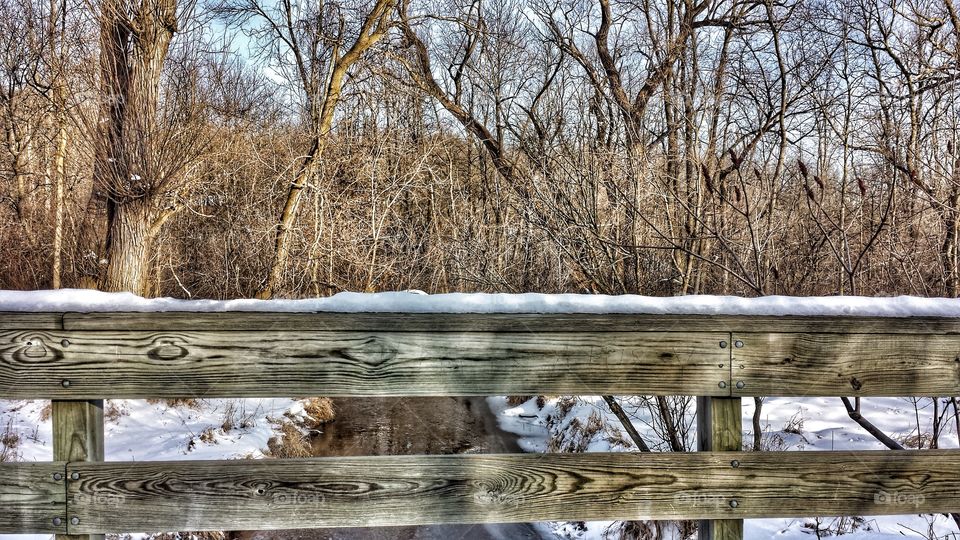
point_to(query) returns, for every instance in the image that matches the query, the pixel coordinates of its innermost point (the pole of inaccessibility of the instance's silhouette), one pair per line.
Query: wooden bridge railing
(78, 359)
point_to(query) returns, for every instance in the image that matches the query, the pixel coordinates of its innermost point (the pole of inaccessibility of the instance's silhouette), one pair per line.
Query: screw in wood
(65, 342)
(734, 503)
(57, 522)
(741, 384)
(734, 464)
(723, 344)
(65, 383)
(722, 384)
(738, 344)
(75, 476)
(74, 520)
(57, 476)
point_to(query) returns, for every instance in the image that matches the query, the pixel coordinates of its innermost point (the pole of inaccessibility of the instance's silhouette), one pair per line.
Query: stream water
(398, 426)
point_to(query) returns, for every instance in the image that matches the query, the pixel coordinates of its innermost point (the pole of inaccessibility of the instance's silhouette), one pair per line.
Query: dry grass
(916, 440)
(114, 412)
(290, 442)
(577, 435)
(9, 443)
(319, 411)
(514, 401)
(186, 403)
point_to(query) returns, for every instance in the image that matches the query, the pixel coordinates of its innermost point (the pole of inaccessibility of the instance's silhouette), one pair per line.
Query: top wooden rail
(253, 354)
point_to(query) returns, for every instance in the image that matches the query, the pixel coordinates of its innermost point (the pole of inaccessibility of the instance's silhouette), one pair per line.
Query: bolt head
(738, 343)
(57, 476)
(733, 504)
(75, 476)
(57, 522)
(741, 384)
(65, 342)
(722, 384)
(723, 344)
(65, 383)
(735, 463)
(74, 520)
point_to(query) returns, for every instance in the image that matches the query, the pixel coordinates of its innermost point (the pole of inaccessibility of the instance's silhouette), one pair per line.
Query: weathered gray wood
(412, 490)
(720, 428)
(281, 363)
(77, 437)
(10, 320)
(780, 364)
(31, 497)
(493, 322)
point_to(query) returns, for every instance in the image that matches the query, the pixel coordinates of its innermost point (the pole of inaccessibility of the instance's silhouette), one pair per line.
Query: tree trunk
(129, 240)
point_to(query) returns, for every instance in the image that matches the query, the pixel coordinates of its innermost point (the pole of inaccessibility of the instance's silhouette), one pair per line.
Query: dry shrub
(915, 440)
(515, 401)
(319, 411)
(9, 442)
(650, 530)
(576, 437)
(114, 412)
(46, 412)
(289, 443)
(187, 403)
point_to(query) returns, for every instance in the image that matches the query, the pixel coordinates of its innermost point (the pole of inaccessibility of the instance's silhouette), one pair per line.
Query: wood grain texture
(494, 322)
(15, 320)
(281, 363)
(779, 364)
(30, 497)
(413, 490)
(77, 436)
(720, 428)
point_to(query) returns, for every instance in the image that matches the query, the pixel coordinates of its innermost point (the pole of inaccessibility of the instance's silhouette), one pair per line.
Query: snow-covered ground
(790, 424)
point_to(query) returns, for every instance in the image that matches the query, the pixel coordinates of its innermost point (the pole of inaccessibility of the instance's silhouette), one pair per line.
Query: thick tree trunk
(128, 248)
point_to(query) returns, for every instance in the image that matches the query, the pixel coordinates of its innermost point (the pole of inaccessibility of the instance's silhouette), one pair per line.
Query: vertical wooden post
(77, 436)
(720, 428)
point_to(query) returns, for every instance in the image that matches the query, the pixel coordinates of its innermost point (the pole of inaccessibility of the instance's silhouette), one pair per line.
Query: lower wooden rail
(418, 490)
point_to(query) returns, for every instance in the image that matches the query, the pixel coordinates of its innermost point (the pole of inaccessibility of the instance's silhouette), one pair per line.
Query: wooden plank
(17, 320)
(779, 364)
(31, 497)
(503, 322)
(720, 428)
(81, 365)
(418, 490)
(77, 437)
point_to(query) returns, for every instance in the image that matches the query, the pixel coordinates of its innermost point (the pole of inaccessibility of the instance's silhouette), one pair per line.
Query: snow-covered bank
(85, 300)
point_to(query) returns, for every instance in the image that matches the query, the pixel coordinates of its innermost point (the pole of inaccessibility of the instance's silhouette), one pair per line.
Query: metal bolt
(65, 383)
(65, 342)
(57, 476)
(723, 344)
(741, 384)
(733, 504)
(738, 344)
(57, 521)
(722, 384)
(734, 464)
(74, 520)
(75, 476)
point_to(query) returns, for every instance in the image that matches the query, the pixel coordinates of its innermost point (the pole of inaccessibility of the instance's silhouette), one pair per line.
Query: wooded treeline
(234, 148)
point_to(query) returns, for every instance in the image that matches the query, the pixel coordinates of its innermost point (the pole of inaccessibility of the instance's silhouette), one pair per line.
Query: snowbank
(84, 300)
